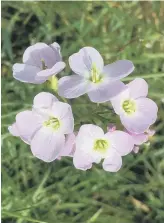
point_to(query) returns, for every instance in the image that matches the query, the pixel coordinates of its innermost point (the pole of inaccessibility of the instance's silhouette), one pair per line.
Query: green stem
(146, 76)
(7, 213)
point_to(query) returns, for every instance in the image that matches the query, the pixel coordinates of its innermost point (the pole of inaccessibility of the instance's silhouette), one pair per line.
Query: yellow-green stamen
(53, 123)
(44, 67)
(129, 106)
(96, 77)
(101, 145)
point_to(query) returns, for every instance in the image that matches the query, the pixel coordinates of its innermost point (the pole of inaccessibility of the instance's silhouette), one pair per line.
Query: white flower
(136, 111)
(40, 62)
(92, 145)
(45, 127)
(100, 82)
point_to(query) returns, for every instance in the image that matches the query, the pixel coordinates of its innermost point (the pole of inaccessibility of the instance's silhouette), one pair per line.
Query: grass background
(34, 191)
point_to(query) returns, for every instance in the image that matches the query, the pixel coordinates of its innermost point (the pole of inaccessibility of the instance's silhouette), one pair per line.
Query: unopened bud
(111, 127)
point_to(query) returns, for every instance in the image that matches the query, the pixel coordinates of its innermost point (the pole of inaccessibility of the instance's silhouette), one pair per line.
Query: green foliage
(34, 191)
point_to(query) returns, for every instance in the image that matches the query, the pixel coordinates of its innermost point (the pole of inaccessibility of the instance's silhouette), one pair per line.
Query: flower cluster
(49, 126)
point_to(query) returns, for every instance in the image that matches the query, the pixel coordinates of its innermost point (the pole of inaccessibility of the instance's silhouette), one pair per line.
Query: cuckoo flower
(92, 145)
(44, 127)
(141, 138)
(136, 111)
(92, 77)
(40, 62)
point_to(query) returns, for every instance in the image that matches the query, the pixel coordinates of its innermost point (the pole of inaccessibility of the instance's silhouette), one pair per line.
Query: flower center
(96, 77)
(44, 67)
(129, 106)
(53, 123)
(101, 145)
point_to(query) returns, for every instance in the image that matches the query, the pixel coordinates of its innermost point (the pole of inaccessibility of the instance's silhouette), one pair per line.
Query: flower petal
(69, 147)
(63, 112)
(82, 160)
(13, 129)
(28, 123)
(121, 141)
(139, 139)
(145, 116)
(147, 107)
(118, 69)
(47, 145)
(73, 86)
(46, 74)
(44, 100)
(26, 73)
(113, 162)
(138, 88)
(35, 54)
(106, 91)
(81, 63)
(56, 47)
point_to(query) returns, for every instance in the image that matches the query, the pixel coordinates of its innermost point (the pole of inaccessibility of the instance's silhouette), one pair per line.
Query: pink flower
(44, 128)
(92, 145)
(40, 62)
(91, 76)
(136, 111)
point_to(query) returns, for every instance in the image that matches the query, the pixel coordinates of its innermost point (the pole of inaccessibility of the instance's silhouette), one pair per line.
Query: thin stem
(20, 216)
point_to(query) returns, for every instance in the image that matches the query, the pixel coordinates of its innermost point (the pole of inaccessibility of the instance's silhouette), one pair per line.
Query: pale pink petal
(138, 88)
(28, 124)
(46, 74)
(136, 123)
(26, 73)
(63, 112)
(113, 162)
(118, 69)
(47, 145)
(139, 139)
(82, 161)
(148, 108)
(44, 100)
(106, 91)
(121, 141)
(69, 145)
(56, 47)
(13, 129)
(90, 131)
(145, 116)
(35, 54)
(73, 86)
(81, 63)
